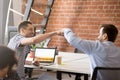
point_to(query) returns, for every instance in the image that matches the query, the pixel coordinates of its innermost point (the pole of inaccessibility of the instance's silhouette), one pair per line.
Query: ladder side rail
(46, 17)
(6, 24)
(28, 9)
(16, 12)
(51, 2)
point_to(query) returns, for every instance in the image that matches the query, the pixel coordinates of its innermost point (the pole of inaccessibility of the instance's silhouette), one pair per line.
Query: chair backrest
(77, 51)
(112, 69)
(12, 31)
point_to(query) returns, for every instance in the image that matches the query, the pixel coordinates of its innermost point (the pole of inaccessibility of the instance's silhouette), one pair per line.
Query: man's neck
(22, 34)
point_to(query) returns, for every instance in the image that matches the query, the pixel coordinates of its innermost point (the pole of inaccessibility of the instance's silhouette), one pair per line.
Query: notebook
(45, 55)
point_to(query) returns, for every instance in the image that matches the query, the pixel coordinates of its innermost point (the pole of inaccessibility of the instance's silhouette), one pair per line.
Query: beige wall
(3, 14)
(17, 5)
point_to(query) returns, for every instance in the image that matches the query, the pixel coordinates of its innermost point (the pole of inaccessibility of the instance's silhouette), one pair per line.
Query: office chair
(112, 70)
(77, 51)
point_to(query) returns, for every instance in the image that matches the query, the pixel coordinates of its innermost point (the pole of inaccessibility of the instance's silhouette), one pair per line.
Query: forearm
(85, 46)
(41, 37)
(38, 38)
(73, 39)
(69, 35)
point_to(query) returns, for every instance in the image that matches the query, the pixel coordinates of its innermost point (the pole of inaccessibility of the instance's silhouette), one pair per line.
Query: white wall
(13, 18)
(17, 5)
(3, 13)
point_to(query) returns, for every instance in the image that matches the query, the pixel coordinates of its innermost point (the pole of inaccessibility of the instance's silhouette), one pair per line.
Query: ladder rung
(36, 12)
(45, 15)
(16, 12)
(37, 30)
(37, 25)
(42, 25)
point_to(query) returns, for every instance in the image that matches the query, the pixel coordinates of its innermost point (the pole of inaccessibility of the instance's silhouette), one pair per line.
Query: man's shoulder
(15, 41)
(17, 37)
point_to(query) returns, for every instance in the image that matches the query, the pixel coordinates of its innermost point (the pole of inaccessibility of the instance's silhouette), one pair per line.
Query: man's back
(106, 54)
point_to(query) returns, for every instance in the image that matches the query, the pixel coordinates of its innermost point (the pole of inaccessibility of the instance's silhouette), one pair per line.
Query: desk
(72, 63)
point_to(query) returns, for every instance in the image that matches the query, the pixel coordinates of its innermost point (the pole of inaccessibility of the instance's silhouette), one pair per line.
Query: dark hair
(111, 31)
(23, 24)
(7, 57)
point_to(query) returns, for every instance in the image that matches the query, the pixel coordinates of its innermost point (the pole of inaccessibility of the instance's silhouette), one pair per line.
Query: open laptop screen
(45, 54)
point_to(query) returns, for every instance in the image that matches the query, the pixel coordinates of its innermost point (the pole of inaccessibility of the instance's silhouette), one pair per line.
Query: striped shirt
(21, 53)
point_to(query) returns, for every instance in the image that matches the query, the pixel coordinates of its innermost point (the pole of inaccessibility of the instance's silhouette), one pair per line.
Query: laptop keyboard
(45, 64)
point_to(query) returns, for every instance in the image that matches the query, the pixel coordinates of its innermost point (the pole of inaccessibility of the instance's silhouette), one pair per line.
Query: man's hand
(36, 63)
(60, 32)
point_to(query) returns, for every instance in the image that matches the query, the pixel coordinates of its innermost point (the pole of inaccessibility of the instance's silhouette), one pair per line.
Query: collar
(108, 42)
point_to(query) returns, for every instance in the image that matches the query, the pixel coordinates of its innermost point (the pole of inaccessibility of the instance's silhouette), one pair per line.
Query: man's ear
(105, 36)
(21, 30)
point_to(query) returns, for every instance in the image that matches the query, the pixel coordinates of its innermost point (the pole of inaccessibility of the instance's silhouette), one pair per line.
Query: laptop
(45, 56)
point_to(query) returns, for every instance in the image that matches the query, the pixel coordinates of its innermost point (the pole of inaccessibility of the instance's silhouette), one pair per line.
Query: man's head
(26, 29)
(108, 32)
(7, 60)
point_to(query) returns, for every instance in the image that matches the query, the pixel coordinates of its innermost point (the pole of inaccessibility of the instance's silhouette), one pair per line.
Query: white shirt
(102, 54)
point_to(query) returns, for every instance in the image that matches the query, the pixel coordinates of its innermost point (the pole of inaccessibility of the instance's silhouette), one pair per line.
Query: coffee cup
(59, 60)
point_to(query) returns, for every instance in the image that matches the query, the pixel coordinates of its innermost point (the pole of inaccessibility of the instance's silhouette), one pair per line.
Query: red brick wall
(83, 17)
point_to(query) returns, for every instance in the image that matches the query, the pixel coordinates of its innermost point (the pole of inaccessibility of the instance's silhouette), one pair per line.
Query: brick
(83, 17)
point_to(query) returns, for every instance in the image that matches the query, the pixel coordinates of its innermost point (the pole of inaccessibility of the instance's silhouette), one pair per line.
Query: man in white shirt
(102, 52)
